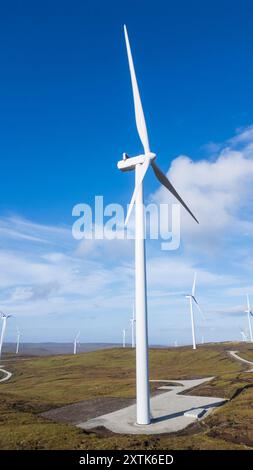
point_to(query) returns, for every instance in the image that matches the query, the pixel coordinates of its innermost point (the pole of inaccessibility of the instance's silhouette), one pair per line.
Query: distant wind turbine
(249, 314)
(132, 321)
(192, 299)
(18, 340)
(140, 165)
(123, 338)
(244, 336)
(76, 341)
(4, 319)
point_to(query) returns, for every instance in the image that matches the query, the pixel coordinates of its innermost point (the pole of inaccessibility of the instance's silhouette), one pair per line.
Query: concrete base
(168, 411)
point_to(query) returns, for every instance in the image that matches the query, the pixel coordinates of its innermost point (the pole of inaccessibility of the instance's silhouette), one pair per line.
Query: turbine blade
(139, 115)
(197, 305)
(165, 182)
(194, 285)
(144, 167)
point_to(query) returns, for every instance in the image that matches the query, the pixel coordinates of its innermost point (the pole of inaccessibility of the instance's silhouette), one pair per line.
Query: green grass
(39, 384)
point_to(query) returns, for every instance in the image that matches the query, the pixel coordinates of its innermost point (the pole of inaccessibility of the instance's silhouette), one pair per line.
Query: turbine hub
(129, 163)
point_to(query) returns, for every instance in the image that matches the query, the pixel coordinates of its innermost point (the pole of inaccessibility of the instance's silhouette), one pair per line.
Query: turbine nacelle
(129, 163)
(4, 315)
(249, 312)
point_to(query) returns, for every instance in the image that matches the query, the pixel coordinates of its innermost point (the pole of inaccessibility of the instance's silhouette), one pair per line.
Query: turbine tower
(4, 318)
(123, 338)
(249, 314)
(140, 165)
(132, 321)
(18, 341)
(76, 341)
(192, 299)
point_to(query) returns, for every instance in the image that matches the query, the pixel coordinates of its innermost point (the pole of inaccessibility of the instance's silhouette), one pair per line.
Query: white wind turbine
(141, 164)
(18, 340)
(76, 341)
(4, 319)
(249, 314)
(244, 336)
(132, 321)
(123, 338)
(192, 299)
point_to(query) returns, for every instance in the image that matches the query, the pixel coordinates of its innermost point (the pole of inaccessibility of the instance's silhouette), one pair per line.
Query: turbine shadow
(181, 413)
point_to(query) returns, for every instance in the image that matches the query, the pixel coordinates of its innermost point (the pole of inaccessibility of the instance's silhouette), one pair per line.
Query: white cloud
(218, 191)
(18, 228)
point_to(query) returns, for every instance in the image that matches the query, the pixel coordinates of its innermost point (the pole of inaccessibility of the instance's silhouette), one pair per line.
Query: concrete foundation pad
(168, 411)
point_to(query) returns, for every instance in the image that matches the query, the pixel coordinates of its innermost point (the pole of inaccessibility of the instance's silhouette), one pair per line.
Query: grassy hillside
(39, 384)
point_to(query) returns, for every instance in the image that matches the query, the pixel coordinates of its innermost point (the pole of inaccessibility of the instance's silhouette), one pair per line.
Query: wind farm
(125, 300)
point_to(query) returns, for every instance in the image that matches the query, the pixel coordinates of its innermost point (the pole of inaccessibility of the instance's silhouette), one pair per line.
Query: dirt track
(7, 374)
(85, 410)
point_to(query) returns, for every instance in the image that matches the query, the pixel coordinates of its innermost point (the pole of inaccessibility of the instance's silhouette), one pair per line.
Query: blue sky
(66, 116)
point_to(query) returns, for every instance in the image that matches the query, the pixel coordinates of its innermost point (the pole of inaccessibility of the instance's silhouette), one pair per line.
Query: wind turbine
(192, 299)
(244, 336)
(76, 341)
(18, 341)
(4, 318)
(249, 314)
(123, 338)
(132, 321)
(140, 165)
